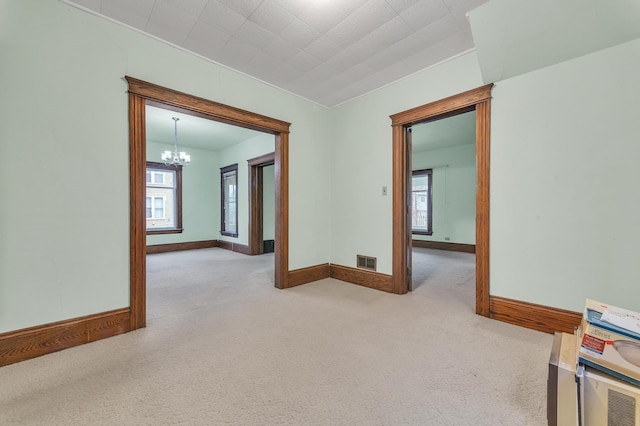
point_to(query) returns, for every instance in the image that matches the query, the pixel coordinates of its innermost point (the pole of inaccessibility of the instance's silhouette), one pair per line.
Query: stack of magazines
(608, 340)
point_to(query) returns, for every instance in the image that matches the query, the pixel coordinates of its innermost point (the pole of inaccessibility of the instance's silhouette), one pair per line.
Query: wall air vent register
(367, 262)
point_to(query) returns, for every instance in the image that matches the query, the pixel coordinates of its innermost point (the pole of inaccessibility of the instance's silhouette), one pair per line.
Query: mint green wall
(64, 134)
(564, 198)
(361, 158)
(268, 203)
(201, 191)
(454, 192)
(565, 203)
(240, 153)
(200, 195)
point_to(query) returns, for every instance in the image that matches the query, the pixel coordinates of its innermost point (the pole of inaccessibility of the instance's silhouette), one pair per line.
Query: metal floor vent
(367, 262)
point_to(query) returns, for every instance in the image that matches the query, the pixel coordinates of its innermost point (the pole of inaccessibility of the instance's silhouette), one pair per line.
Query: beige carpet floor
(224, 347)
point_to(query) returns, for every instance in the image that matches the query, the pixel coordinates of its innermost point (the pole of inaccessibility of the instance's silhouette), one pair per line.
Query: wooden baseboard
(530, 315)
(439, 245)
(192, 245)
(20, 345)
(309, 274)
(238, 248)
(361, 277)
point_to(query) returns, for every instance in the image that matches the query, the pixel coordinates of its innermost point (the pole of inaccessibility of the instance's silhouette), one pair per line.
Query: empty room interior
(309, 211)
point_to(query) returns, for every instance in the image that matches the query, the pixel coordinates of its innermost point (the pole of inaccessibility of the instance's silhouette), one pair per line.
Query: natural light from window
(421, 202)
(161, 199)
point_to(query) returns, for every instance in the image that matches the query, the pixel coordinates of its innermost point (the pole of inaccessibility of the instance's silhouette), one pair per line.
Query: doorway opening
(261, 178)
(443, 216)
(479, 100)
(141, 94)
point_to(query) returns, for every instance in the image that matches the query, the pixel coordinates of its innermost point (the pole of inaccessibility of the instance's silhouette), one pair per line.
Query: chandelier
(176, 158)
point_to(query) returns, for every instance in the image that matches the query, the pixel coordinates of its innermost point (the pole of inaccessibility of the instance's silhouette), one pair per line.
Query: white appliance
(578, 395)
(606, 400)
(562, 386)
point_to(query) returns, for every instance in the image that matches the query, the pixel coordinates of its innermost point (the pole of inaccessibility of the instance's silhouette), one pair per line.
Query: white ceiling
(445, 133)
(330, 51)
(194, 132)
(327, 51)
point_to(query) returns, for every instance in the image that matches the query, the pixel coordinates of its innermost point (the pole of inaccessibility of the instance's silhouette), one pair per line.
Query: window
(229, 200)
(421, 210)
(156, 177)
(155, 207)
(163, 198)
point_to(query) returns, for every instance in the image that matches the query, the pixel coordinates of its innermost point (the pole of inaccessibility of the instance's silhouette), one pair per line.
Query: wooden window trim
(223, 170)
(428, 172)
(178, 169)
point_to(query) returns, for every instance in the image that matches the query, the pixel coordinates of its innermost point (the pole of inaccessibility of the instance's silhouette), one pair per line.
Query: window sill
(164, 231)
(422, 232)
(229, 234)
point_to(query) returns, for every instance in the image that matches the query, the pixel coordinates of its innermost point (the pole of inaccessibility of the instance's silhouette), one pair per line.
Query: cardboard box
(607, 347)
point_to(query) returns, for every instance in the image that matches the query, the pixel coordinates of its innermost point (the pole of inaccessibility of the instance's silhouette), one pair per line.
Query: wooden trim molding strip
(478, 99)
(537, 317)
(256, 196)
(263, 160)
(440, 245)
(20, 345)
(191, 245)
(309, 274)
(361, 277)
(466, 100)
(238, 248)
(400, 224)
(137, 216)
(208, 109)
(256, 210)
(141, 94)
(523, 314)
(483, 138)
(281, 244)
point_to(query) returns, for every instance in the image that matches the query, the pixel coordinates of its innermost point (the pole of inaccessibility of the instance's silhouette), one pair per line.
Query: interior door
(409, 206)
